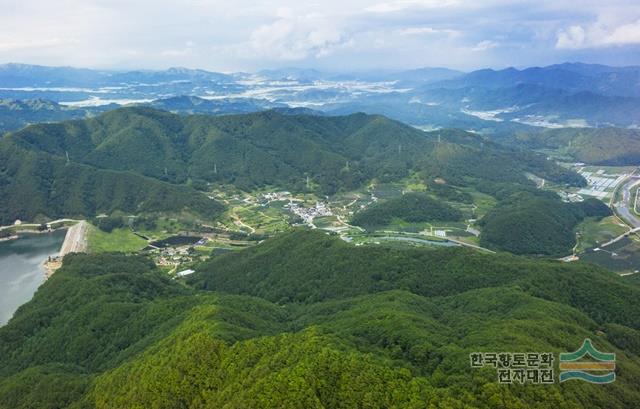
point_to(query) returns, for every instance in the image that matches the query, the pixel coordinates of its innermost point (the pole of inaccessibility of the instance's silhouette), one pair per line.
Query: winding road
(624, 208)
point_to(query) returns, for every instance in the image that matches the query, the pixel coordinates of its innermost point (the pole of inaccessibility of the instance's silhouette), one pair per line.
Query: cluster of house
(307, 214)
(569, 197)
(276, 196)
(172, 256)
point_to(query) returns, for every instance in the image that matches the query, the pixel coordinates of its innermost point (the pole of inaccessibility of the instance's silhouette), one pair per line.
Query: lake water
(21, 270)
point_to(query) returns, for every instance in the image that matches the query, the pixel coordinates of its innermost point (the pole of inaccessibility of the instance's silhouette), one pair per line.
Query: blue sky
(337, 35)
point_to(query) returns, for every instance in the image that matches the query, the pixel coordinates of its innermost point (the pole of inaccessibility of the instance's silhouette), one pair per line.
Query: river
(21, 270)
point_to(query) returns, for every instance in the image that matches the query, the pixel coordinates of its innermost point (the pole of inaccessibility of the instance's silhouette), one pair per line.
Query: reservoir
(21, 269)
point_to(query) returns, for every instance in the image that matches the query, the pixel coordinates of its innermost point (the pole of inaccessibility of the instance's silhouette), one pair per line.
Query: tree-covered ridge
(598, 146)
(112, 331)
(537, 223)
(269, 148)
(410, 207)
(37, 185)
(309, 266)
(15, 114)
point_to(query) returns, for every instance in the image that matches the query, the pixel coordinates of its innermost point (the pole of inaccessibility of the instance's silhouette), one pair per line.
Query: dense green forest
(269, 148)
(598, 146)
(410, 207)
(537, 223)
(306, 320)
(36, 185)
(15, 114)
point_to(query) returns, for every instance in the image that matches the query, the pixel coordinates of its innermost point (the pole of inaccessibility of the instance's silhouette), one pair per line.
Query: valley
(293, 238)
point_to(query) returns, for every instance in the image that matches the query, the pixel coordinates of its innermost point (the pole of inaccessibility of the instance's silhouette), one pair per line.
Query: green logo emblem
(573, 367)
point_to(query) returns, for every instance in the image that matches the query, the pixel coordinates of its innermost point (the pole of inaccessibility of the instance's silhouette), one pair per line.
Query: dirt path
(238, 221)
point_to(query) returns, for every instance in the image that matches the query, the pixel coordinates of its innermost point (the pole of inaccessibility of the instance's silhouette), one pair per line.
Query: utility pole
(215, 168)
(67, 154)
(307, 182)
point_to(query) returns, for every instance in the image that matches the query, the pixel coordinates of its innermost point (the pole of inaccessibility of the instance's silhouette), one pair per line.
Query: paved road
(624, 209)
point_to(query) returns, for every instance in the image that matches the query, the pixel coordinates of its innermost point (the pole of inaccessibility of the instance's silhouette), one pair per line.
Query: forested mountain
(410, 207)
(604, 146)
(573, 77)
(537, 223)
(269, 148)
(15, 114)
(141, 160)
(35, 186)
(336, 326)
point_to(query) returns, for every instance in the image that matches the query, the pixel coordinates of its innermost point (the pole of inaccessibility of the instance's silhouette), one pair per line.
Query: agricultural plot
(592, 233)
(622, 256)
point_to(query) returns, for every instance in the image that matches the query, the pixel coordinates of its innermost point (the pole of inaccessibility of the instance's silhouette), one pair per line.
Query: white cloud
(598, 35)
(485, 45)
(189, 48)
(414, 31)
(394, 6)
(9, 45)
(297, 37)
(327, 34)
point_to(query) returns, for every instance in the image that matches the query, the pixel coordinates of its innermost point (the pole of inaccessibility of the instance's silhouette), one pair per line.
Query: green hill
(35, 185)
(598, 146)
(377, 328)
(410, 207)
(268, 148)
(537, 223)
(15, 114)
(142, 160)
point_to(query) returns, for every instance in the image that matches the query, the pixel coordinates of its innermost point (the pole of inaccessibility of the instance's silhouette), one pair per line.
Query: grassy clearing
(118, 240)
(483, 202)
(593, 232)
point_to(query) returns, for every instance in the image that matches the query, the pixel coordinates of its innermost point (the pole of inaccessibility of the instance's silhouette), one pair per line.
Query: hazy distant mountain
(292, 73)
(538, 105)
(415, 76)
(610, 81)
(169, 75)
(487, 100)
(15, 114)
(191, 104)
(24, 75)
(426, 75)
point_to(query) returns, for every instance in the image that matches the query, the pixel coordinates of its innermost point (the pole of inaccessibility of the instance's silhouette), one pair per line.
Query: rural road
(624, 208)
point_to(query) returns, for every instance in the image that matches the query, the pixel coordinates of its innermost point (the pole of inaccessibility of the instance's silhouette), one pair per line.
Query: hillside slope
(268, 148)
(39, 186)
(111, 331)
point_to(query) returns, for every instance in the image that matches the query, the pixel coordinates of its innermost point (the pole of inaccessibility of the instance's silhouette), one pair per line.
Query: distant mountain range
(488, 101)
(23, 75)
(575, 77)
